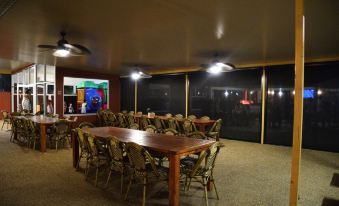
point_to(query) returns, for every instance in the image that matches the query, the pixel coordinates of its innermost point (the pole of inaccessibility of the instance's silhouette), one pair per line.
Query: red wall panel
(5, 102)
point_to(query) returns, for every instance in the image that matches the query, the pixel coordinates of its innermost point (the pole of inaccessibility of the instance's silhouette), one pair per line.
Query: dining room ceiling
(166, 33)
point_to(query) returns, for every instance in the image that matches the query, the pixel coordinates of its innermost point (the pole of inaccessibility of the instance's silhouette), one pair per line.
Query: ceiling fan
(217, 65)
(136, 71)
(64, 49)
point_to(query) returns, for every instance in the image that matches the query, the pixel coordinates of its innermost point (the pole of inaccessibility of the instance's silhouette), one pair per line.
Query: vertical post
(44, 96)
(35, 95)
(298, 100)
(263, 104)
(186, 96)
(135, 96)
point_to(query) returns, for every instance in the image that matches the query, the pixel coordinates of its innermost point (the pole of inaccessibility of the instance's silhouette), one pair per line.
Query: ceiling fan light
(61, 53)
(136, 75)
(220, 64)
(214, 69)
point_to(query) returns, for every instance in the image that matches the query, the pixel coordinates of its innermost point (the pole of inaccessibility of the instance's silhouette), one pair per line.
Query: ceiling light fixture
(137, 74)
(219, 67)
(61, 52)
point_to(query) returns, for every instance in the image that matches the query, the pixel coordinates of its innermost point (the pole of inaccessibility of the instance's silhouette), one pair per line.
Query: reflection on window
(162, 94)
(234, 97)
(82, 96)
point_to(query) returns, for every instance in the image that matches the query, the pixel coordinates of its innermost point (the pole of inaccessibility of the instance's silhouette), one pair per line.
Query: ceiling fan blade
(45, 46)
(83, 49)
(72, 48)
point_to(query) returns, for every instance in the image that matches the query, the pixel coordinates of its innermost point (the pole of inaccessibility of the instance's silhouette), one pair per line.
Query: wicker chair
(188, 127)
(143, 168)
(124, 111)
(121, 120)
(21, 130)
(214, 132)
(6, 119)
(151, 129)
(100, 114)
(197, 135)
(179, 116)
(119, 161)
(144, 122)
(168, 115)
(173, 124)
(97, 158)
(131, 112)
(170, 131)
(83, 144)
(59, 133)
(205, 118)
(159, 124)
(192, 117)
(86, 125)
(34, 133)
(199, 170)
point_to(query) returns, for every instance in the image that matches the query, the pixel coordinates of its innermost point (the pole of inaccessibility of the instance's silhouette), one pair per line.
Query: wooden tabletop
(42, 120)
(158, 142)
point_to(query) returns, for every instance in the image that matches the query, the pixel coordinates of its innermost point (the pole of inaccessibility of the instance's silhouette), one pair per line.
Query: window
(235, 97)
(83, 96)
(162, 94)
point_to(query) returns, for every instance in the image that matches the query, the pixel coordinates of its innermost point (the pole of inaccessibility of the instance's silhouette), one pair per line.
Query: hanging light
(137, 74)
(219, 67)
(61, 52)
(319, 92)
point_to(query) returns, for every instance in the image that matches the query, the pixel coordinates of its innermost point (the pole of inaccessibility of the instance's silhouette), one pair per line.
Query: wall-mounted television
(308, 93)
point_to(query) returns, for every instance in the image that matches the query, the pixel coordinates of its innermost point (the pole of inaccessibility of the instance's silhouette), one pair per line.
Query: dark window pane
(321, 113)
(5, 82)
(127, 94)
(162, 94)
(279, 105)
(235, 97)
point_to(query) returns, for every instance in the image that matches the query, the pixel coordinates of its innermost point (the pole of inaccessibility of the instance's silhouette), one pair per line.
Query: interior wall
(5, 93)
(114, 89)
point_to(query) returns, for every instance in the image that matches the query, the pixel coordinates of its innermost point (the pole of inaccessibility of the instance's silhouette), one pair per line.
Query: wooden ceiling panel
(166, 33)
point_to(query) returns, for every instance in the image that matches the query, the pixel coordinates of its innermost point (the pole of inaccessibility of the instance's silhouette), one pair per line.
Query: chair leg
(128, 187)
(56, 145)
(34, 144)
(109, 176)
(189, 184)
(78, 163)
(96, 174)
(215, 188)
(144, 192)
(2, 125)
(121, 182)
(185, 185)
(205, 190)
(87, 168)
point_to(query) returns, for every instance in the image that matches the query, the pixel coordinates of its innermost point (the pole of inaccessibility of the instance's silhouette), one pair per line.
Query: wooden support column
(186, 94)
(298, 100)
(135, 96)
(263, 104)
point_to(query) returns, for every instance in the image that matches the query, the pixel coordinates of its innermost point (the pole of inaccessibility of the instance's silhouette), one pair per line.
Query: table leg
(173, 184)
(42, 138)
(75, 149)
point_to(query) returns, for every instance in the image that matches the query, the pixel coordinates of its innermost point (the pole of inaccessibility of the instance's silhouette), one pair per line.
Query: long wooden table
(171, 146)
